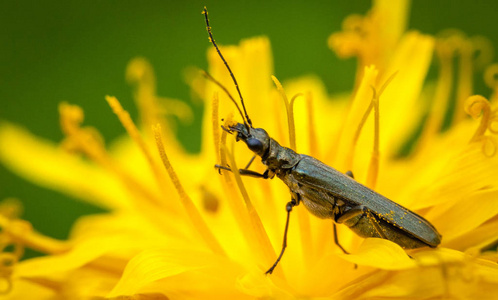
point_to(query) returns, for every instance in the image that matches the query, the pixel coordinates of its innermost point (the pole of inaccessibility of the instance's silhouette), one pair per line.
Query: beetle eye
(254, 144)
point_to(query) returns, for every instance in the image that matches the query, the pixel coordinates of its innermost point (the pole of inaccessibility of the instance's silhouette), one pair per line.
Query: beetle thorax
(279, 157)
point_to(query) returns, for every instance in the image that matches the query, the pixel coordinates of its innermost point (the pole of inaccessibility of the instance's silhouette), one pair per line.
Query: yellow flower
(177, 230)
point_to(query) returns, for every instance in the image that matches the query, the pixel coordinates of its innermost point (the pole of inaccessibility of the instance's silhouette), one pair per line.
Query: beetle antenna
(208, 76)
(211, 39)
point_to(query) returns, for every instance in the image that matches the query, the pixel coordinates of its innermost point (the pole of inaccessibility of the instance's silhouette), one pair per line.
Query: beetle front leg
(245, 172)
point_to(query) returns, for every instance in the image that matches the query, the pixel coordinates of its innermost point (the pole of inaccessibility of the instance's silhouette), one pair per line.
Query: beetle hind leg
(361, 211)
(336, 240)
(288, 207)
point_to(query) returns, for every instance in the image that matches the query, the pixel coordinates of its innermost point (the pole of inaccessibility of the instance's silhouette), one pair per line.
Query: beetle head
(256, 139)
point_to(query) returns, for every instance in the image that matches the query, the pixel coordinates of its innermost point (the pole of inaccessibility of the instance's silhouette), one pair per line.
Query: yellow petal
(461, 279)
(380, 253)
(466, 215)
(83, 253)
(48, 165)
(455, 172)
(392, 16)
(485, 232)
(411, 60)
(171, 268)
(138, 228)
(358, 107)
(26, 290)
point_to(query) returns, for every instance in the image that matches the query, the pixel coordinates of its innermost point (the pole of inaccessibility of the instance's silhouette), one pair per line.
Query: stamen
(238, 179)
(7, 263)
(141, 74)
(303, 217)
(239, 210)
(20, 233)
(491, 80)
(291, 119)
(450, 44)
(84, 140)
(468, 48)
(281, 131)
(255, 221)
(177, 108)
(290, 112)
(71, 117)
(152, 107)
(127, 122)
(445, 49)
(493, 123)
(477, 106)
(88, 141)
(189, 206)
(484, 49)
(235, 204)
(9, 209)
(465, 77)
(15, 235)
(216, 125)
(358, 132)
(313, 141)
(343, 154)
(223, 156)
(373, 169)
(360, 37)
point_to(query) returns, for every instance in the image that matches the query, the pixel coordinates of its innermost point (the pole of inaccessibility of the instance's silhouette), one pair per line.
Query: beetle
(324, 191)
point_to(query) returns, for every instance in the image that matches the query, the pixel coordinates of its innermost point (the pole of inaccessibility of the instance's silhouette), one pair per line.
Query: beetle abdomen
(362, 226)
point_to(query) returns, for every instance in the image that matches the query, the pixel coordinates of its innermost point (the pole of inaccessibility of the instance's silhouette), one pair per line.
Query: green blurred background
(77, 51)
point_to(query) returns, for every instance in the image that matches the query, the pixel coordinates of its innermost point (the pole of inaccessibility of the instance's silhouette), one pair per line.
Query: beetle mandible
(324, 191)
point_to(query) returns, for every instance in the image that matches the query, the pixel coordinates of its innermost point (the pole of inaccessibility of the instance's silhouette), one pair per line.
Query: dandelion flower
(175, 229)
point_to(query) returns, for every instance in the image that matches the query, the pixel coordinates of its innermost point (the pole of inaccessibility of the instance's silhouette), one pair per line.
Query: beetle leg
(250, 162)
(246, 172)
(361, 210)
(220, 167)
(228, 168)
(376, 225)
(288, 207)
(336, 240)
(350, 213)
